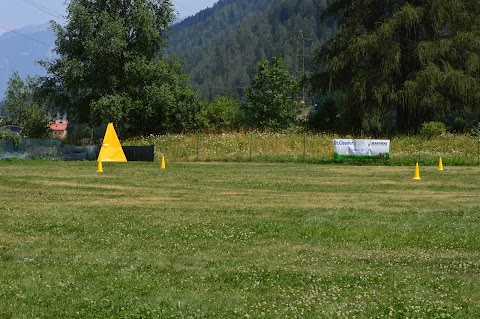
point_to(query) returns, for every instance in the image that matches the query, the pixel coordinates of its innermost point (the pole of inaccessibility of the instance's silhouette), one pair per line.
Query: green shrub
(432, 129)
(475, 131)
(9, 135)
(459, 125)
(220, 115)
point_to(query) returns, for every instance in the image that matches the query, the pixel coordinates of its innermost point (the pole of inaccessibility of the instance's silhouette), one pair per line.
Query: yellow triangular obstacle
(111, 150)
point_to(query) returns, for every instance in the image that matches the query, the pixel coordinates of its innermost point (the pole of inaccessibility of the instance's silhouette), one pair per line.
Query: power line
(300, 72)
(45, 9)
(58, 16)
(26, 36)
(183, 6)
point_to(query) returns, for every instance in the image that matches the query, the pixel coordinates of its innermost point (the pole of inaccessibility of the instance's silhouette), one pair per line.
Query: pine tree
(415, 60)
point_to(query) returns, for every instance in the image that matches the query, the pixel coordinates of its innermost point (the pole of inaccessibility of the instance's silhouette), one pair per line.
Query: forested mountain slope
(222, 45)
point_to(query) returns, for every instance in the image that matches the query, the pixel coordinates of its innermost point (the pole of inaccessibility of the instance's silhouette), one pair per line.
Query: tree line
(382, 67)
(393, 65)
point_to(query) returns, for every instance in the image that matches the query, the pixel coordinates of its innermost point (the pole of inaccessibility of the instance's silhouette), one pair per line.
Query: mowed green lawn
(238, 240)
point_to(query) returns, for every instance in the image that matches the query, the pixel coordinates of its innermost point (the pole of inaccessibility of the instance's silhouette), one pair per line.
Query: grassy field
(238, 240)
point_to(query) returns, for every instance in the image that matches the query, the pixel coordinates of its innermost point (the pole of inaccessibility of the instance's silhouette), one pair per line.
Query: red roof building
(59, 128)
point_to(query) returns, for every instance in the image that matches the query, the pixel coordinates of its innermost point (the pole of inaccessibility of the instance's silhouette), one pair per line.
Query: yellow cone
(162, 164)
(99, 167)
(417, 172)
(440, 164)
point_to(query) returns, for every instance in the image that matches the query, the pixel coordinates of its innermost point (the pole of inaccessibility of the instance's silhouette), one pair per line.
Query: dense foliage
(271, 97)
(22, 108)
(111, 68)
(396, 64)
(223, 45)
(222, 114)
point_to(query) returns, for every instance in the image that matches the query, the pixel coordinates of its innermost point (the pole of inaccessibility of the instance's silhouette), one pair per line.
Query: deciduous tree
(111, 67)
(23, 108)
(220, 115)
(270, 97)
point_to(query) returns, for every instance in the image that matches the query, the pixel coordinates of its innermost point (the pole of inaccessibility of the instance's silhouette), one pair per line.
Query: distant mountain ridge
(21, 49)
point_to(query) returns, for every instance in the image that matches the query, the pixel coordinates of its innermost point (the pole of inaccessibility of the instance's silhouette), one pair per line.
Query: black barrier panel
(139, 153)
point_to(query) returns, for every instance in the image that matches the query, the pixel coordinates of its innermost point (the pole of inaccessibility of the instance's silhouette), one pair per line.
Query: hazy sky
(15, 14)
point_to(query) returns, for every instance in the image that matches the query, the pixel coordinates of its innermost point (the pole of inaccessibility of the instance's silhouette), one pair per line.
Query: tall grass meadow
(303, 147)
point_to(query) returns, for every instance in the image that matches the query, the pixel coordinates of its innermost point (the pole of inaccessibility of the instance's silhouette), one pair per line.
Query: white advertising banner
(368, 149)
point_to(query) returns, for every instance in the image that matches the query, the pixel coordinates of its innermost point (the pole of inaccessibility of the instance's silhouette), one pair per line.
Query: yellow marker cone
(417, 172)
(440, 164)
(99, 167)
(162, 164)
(111, 150)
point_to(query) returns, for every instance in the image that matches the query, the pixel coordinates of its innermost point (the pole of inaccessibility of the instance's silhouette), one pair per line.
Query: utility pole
(300, 66)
